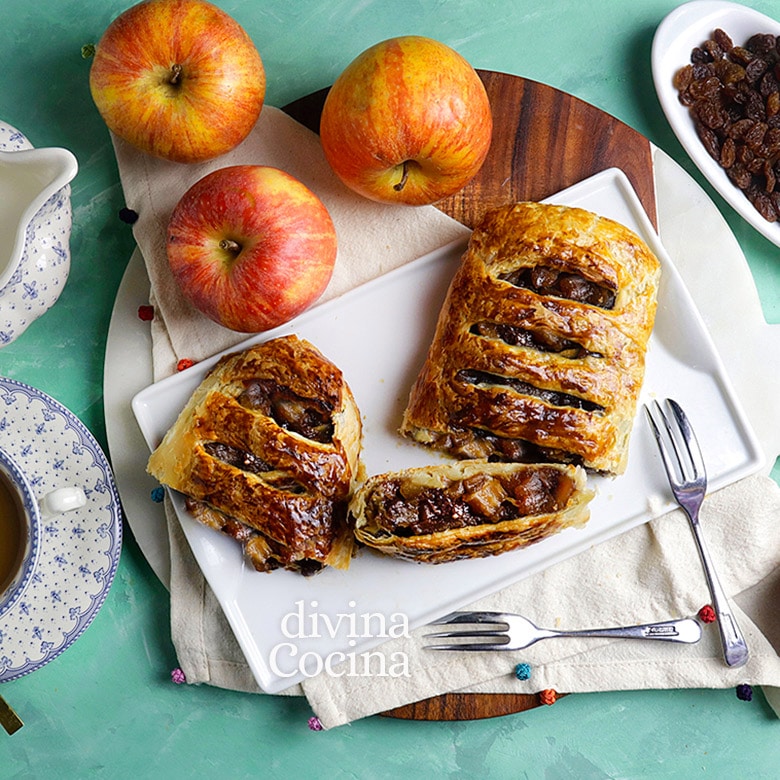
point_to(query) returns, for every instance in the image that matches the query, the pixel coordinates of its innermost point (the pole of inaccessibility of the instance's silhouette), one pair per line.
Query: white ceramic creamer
(35, 225)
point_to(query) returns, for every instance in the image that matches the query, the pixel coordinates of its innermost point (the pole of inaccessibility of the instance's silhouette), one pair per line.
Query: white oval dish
(682, 30)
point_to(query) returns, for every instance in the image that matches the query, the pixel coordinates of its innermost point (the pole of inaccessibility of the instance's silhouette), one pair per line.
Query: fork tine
(689, 438)
(669, 464)
(471, 617)
(467, 634)
(470, 647)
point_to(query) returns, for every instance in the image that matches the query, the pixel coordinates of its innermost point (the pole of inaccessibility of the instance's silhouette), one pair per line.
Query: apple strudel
(267, 451)
(539, 350)
(467, 508)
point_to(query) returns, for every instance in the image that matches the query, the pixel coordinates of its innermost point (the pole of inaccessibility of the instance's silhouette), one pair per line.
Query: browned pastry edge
(521, 372)
(267, 451)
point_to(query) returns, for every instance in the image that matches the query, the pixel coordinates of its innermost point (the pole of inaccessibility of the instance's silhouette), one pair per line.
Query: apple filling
(406, 508)
(547, 280)
(540, 339)
(477, 443)
(308, 417)
(484, 379)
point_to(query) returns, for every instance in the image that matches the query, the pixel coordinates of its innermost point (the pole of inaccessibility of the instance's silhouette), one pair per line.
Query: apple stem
(175, 77)
(229, 245)
(405, 175)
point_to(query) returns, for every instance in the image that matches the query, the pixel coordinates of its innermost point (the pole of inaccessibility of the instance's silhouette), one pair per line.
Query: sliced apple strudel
(267, 451)
(467, 508)
(539, 350)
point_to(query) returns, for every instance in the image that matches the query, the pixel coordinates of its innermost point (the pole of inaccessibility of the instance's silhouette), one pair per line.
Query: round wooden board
(544, 140)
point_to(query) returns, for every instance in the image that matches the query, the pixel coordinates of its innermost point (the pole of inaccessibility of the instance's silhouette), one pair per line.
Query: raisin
(763, 205)
(728, 153)
(739, 175)
(755, 69)
(754, 137)
(683, 78)
(772, 104)
(710, 113)
(723, 40)
(761, 43)
(709, 139)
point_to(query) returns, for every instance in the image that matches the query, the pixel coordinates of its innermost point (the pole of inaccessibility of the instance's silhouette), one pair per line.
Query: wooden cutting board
(543, 141)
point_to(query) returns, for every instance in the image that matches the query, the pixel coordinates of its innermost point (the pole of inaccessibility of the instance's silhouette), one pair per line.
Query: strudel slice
(539, 349)
(267, 451)
(467, 508)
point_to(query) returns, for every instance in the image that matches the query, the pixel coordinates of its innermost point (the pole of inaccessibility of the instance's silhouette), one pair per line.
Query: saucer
(79, 551)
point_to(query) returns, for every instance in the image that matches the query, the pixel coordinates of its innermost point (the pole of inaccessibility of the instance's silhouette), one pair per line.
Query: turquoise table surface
(107, 706)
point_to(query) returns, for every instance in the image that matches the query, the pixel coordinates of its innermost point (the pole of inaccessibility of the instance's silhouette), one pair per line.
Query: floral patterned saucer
(79, 551)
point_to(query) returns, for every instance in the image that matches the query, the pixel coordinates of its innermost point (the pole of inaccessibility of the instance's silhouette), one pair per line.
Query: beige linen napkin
(649, 573)
(372, 238)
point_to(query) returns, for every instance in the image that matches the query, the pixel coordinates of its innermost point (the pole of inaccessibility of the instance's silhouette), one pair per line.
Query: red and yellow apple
(408, 121)
(178, 79)
(251, 246)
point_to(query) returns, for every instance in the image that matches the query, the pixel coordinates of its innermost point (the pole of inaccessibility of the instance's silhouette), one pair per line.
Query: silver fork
(684, 467)
(505, 631)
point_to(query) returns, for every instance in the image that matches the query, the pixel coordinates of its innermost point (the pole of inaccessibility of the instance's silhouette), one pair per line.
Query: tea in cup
(21, 515)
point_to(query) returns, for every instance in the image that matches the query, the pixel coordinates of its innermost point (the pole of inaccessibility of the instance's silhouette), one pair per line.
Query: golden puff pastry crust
(539, 349)
(267, 451)
(468, 508)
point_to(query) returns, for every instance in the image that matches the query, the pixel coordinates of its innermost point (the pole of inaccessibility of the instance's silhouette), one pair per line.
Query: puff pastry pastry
(467, 508)
(539, 350)
(267, 451)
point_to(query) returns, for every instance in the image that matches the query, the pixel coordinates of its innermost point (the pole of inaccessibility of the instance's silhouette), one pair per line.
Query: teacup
(21, 517)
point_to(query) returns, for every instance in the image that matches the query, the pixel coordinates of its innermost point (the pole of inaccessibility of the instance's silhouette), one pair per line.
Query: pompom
(128, 216)
(548, 696)
(184, 364)
(707, 614)
(146, 313)
(745, 692)
(177, 676)
(158, 494)
(315, 724)
(523, 672)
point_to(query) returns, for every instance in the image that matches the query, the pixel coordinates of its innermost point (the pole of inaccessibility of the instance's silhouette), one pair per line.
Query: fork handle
(735, 651)
(686, 631)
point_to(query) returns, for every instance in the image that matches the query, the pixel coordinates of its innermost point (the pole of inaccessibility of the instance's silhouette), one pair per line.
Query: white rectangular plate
(378, 335)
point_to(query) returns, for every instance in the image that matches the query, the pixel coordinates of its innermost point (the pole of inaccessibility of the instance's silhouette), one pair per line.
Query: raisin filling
(406, 509)
(540, 339)
(546, 280)
(247, 461)
(308, 417)
(554, 397)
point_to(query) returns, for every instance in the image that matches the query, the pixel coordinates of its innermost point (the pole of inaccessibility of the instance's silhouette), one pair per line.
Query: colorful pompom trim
(184, 364)
(177, 676)
(128, 216)
(146, 313)
(745, 692)
(707, 614)
(523, 672)
(548, 696)
(315, 724)
(158, 494)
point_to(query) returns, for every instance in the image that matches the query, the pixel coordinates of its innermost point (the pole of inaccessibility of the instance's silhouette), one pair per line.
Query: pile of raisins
(733, 94)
